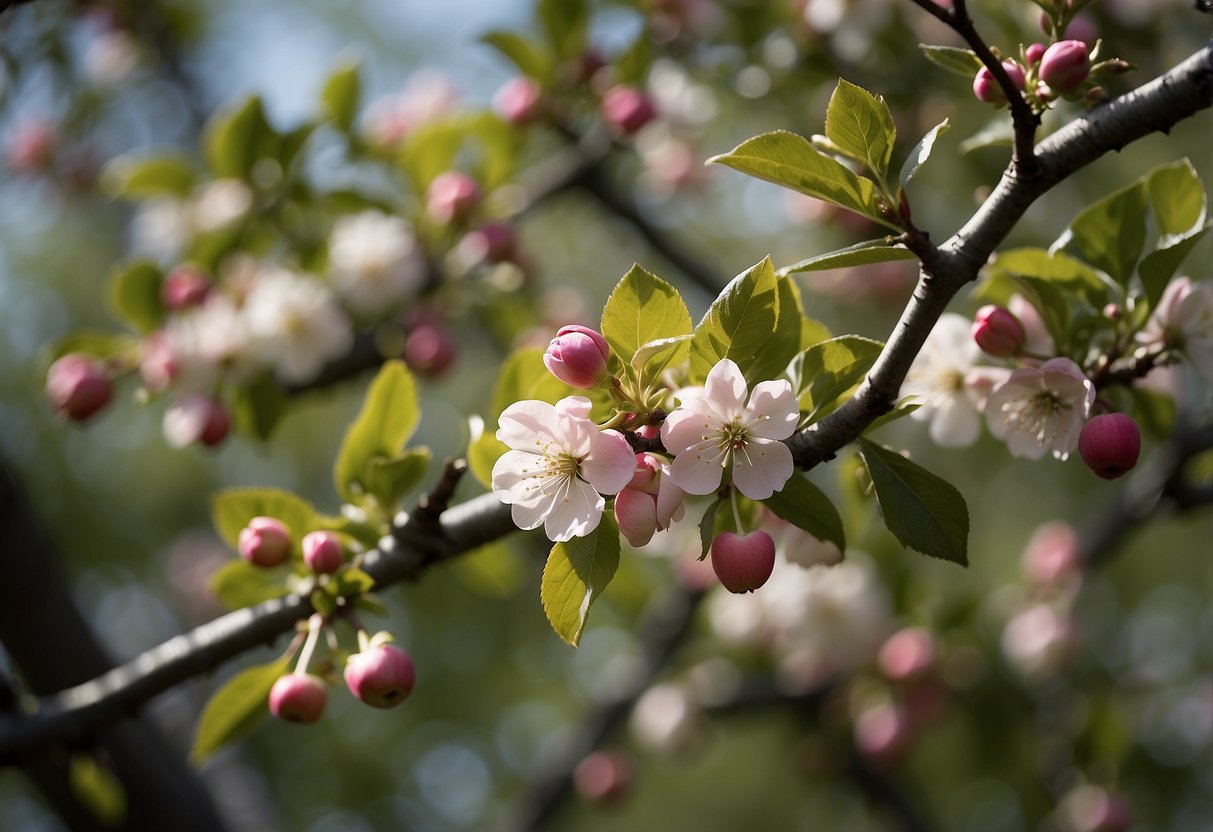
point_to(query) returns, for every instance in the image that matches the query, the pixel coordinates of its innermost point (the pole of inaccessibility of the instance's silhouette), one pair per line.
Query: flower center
(1033, 415)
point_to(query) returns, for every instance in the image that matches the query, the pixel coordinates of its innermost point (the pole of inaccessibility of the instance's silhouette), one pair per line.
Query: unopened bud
(997, 331)
(78, 386)
(627, 109)
(1065, 65)
(986, 87)
(452, 197)
(322, 552)
(184, 288)
(519, 101)
(578, 356)
(264, 542)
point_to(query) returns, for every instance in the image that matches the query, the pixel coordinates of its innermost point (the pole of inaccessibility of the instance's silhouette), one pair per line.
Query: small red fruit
(1110, 444)
(299, 697)
(381, 676)
(743, 563)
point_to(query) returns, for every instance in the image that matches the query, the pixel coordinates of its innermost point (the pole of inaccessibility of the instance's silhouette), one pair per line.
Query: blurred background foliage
(1130, 707)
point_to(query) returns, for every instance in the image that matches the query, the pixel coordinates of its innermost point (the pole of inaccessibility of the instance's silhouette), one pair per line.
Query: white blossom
(558, 467)
(295, 324)
(1183, 320)
(938, 381)
(375, 261)
(209, 343)
(1040, 410)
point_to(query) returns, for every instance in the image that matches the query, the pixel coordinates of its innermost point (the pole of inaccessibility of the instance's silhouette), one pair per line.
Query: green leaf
(389, 416)
(632, 65)
(825, 372)
(707, 526)
(576, 573)
(151, 176)
(739, 326)
(350, 582)
(324, 602)
(923, 511)
(962, 62)
(235, 139)
(101, 343)
(530, 58)
(1110, 233)
(564, 22)
(390, 479)
(1154, 411)
(860, 254)
(860, 123)
(650, 351)
(239, 584)
(1050, 301)
(259, 406)
(1058, 268)
(135, 295)
(998, 132)
(235, 709)
(921, 152)
(233, 508)
(643, 309)
(791, 161)
(806, 506)
(522, 376)
(340, 95)
(98, 789)
(1180, 207)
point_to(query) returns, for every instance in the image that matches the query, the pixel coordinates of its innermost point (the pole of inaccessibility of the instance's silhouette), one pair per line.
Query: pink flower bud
(986, 88)
(883, 734)
(78, 386)
(519, 101)
(743, 563)
(603, 776)
(322, 552)
(452, 197)
(1052, 553)
(31, 145)
(636, 513)
(298, 697)
(196, 419)
(265, 542)
(430, 349)
(997, 331)
(1032, 53)
(1065, 65)
(184, 288)
(493, 242)
(380, 676)
(627, 109)
(157, 365)
(1110, 444)
(908, 655)
(578, 356)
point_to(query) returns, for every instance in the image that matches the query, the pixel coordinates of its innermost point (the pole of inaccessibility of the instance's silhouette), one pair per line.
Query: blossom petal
(773, 410)
(611, 462)
(697, 469)
(575, 512)
(684, 429)
(523, 424)
(955, 424)
(761, 468)
(725, 387)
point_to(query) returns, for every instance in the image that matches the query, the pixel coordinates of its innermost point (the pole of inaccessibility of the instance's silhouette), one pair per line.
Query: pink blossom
(1038, 410)
(558, 467)
(714, 429)
(650, 502)
(1183, 320)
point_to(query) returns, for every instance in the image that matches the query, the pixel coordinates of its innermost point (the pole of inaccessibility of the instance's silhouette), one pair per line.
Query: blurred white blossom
(375, 261)
(295, 324)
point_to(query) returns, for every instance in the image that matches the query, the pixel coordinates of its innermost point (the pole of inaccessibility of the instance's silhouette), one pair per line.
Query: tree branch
(1154, 107)
(1157, 106)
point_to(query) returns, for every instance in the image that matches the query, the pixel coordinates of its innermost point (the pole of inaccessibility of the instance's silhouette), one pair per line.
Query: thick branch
(1154, 107)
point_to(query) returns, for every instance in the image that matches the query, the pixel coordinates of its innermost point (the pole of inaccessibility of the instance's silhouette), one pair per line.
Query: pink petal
(684, 429)
(762, 468)
(725, 388)
(697, 470)
(523, 422)
(611, 462)
(773, 410)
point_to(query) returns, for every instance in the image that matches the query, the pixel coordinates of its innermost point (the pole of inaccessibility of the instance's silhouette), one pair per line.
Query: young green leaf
(743, 325)
(239, 584)
(963, 62)
(921, 152)
(791, 161)
(530, 58)
(150, 176)
(258, 406)
(826, 371)
(806, 506)
(923, 511)
(861, 124)
(235, 709)
(1180, 207)
(707, 526)
(576, 573)
(233, 508)
(235, 139)
(643, 309)
(390, 479)
(860, 254)
(1073, 275)
(1110, 233)
(565, 23)
(340, 95)
(135, 295)
(98, 789)
(389, 416)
